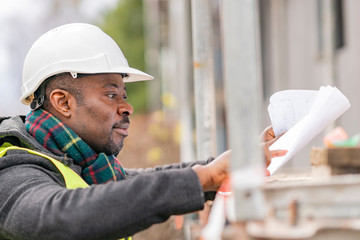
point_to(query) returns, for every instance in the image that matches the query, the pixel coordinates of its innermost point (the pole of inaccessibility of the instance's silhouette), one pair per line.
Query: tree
(125, 25)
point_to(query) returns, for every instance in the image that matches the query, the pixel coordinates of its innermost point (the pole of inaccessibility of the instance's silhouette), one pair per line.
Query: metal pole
(180, 44)
(180, 35)
(242, 72)
(279, 44)
(327, 44)
(152, 49)
(327, 21)
(203, 78)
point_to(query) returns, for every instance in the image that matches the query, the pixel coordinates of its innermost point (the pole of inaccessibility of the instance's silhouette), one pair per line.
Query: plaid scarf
(62, 141)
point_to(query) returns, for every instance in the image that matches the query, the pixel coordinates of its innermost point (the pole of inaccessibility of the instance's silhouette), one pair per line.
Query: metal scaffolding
(203, 55)
(293, 209)
(242, 71)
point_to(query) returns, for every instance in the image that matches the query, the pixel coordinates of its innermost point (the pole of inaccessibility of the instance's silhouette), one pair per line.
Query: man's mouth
(122, 129)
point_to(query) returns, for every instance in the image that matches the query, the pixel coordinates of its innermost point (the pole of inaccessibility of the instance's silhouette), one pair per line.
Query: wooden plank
(336, 157)
(335, 161)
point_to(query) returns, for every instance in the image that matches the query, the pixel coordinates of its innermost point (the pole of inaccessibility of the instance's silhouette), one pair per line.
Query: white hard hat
(74, 48)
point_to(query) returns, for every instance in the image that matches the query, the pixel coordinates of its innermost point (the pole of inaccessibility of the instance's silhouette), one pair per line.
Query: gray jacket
(34, 203)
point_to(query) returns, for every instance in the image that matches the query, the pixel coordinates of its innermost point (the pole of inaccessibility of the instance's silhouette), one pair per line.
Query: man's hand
(268, 138)
(213, 174)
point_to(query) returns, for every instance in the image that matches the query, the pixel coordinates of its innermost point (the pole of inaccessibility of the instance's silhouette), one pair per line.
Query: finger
(225, 154)
(271, 141)
(270, 132)
(223, 157)
(267, 153)
(266, 135)
(278, 153)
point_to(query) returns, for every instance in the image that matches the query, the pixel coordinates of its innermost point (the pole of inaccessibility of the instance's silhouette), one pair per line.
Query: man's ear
(62, 102)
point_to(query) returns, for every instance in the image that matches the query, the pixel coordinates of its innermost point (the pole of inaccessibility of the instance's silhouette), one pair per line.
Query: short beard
(113, 149)
(110, 147)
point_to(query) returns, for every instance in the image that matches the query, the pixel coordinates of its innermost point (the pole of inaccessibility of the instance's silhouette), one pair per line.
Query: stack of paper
(302, 114)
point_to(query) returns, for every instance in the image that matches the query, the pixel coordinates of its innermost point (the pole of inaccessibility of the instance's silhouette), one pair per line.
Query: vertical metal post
(327, 40)
(242, 70)
(327, 45)
(203, 78)
(279, 44)
(181, 41)
(180, 44)
(152, 49)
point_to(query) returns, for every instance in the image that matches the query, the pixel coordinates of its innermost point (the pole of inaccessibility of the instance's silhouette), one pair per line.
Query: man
(73, 79)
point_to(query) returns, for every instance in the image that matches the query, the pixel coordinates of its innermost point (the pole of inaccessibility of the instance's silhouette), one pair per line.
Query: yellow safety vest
(72, 179)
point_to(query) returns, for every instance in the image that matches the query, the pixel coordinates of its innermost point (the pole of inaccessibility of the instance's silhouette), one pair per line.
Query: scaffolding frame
(261, 206)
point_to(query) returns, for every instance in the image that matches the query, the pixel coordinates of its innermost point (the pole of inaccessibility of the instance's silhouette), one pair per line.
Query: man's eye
(125, 97)
(111, 95)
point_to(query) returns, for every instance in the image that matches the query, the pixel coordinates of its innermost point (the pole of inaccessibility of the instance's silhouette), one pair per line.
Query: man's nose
(125, 108)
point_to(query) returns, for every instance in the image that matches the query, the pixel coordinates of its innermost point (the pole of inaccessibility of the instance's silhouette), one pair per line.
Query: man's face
(101, 119)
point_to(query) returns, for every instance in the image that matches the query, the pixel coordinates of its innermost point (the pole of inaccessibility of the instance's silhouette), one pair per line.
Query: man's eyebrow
(109, 85)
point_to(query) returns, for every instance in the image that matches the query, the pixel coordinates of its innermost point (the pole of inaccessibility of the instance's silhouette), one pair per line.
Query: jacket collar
(12, 130)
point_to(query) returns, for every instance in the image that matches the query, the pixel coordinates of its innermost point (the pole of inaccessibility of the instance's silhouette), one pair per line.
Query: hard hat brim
(136, 75)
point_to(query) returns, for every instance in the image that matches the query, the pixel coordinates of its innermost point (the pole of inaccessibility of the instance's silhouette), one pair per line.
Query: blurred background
(302, 44)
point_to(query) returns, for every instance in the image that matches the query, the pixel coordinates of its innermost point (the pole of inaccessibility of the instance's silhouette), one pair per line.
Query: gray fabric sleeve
(132, 172)
(34, 205)
(207, 195)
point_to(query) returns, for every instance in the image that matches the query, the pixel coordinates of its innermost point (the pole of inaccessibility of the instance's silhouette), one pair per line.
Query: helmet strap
(39, 97)
(36, 103)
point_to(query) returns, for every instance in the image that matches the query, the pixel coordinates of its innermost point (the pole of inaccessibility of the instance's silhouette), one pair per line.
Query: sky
(21, 23)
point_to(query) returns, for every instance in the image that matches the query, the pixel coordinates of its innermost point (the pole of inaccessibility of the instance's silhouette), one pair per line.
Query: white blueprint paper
(318, 110)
